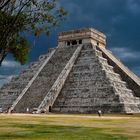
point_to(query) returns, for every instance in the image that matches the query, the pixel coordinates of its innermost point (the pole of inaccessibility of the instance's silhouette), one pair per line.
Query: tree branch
(5, 4)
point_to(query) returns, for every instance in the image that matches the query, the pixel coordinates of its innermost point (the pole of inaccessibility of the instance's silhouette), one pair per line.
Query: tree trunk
(2, 56)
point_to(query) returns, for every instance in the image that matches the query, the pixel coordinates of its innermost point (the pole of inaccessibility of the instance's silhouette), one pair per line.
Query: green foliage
(6, 23)
(19, 48)
(18, 17)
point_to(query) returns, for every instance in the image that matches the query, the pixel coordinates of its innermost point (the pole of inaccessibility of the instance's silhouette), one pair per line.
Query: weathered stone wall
(87, 35)
(93, 85)
(11, 91)
(124, 74)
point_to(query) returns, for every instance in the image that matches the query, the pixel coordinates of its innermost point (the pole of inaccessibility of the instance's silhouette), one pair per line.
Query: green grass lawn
(69, 127)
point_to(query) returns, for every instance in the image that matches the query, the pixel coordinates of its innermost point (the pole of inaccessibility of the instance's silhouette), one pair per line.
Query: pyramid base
(105, 108)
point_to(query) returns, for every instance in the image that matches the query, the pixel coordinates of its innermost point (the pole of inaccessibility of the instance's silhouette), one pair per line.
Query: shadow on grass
(54, 132)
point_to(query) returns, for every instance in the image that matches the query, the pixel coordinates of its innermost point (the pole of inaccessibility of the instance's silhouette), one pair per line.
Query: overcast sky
(119, 20)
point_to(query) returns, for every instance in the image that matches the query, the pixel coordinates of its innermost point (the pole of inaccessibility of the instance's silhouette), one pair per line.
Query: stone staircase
(53, 93)
(93, 85)
(45, 79)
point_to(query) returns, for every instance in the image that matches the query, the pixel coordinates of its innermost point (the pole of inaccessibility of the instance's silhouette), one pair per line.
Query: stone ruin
(78, 76)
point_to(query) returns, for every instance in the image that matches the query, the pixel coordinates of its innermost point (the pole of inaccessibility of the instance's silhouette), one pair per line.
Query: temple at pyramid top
(82, 36)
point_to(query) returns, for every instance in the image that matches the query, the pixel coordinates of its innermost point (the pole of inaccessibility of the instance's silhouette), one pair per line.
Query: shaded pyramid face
(93, 85)
(79, 76)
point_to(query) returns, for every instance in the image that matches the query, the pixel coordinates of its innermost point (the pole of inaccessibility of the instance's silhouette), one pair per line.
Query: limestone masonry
(78, 76)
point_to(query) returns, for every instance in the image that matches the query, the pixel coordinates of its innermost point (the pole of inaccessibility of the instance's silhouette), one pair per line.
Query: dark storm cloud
(118, 19)
(114, 17)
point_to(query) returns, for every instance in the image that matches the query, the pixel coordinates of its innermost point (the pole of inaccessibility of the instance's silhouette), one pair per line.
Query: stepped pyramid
(78, 76)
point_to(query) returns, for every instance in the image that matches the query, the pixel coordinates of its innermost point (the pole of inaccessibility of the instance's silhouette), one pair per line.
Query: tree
(19, 17)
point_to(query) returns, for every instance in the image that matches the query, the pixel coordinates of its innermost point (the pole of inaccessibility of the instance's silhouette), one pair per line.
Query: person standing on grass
(99, 113)
(27, 109)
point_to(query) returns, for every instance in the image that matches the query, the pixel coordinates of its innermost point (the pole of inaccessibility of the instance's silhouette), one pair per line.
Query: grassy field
(69, 127)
